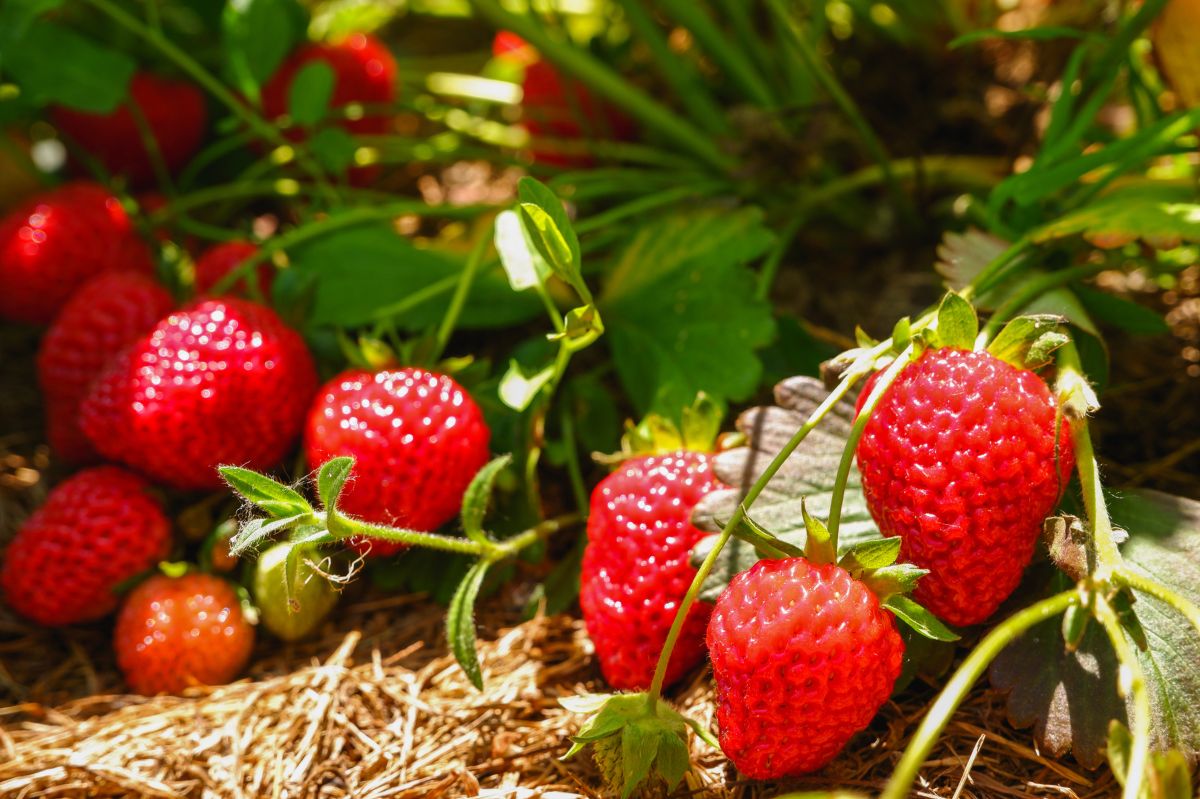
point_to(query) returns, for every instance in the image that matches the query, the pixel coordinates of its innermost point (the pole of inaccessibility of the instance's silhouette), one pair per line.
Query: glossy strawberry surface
(636, 566)
(417, 438)
(176, 632)
(96, 530)
(964, 458)
(56, 241)
(803, 656)
(223, 381)
(175, 116)
(108, 313)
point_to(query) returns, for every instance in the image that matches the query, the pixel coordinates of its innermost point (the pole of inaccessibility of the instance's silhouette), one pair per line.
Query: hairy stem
(956, 689)
(463, 289)
(1125, 576)
(1131, 681)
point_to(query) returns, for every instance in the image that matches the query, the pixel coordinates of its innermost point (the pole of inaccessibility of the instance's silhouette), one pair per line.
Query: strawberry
(364, 72)
(220, 382)
(104, 316)
(636, 566)
(557, 107)
(96, 530)
(174, 114)
(174, 632)
(221, 259)
(803, 656)
(55, 242)
(292, 611)
(963, 459)
(417, 438)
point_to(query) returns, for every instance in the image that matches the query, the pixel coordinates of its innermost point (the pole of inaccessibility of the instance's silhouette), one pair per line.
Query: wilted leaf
(1070, 697)
(681, 311)
(807, 475)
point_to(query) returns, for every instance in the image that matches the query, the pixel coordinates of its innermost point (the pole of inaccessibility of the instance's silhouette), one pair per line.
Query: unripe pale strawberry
(964, 458)
(636, 567)
(803, 657)
(96, 530)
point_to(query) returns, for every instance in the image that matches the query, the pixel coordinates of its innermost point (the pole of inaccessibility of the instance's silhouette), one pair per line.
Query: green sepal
(656, 434)
(460, 622)
(273, 497)
(1168, 774)
(1014, 344)
(918, 618)
(633, 742)
(873, 554)
(957, 324)
(332, 478)
(581, 327)
(902, 334)
(864, 341)
(1122, 603)
(818, 546)
(256, 531)
(518, 389)
(894, 579)
(700, 423)
(765, 541)
(478, 494)
(1074, 626)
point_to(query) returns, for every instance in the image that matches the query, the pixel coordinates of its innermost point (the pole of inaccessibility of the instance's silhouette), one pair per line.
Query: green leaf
(460, 623)
(17, 16)
(273, 497)
(681, 311)
(545, 221)
(896, 578)
(523, 264)
(478, 494)
(332, 478)
(918, 618)
(1122, 313)
(1138, 211)
(310, 92)
(957, 324)
(52, 64)
(256, 35)
(364, 273)
(1014, 343)
(1070, 696)
(1041, 33)
(1168, 774)
(518, 389)
(333, 148)
(806, 478)
(256, 531)
(818, 546)
(873, 554)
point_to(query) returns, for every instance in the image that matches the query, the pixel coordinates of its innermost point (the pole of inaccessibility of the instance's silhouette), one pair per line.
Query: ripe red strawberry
(557, 107)
(417, 438)
(364, 72)
(221, 259)
(803, 656)
(103, 317)
(175, 115)
(55, 242)
(220, 382)
(963, 460)
(96, 530)
(636, 567)
(174, 632)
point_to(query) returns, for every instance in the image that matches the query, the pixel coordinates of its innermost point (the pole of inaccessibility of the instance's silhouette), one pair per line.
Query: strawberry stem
(1131, 681)
(1032, 289)
(461, 292)
(956, 689)
(739, 515)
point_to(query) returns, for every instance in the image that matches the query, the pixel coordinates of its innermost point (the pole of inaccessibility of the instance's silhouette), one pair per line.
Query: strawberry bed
(783, 398)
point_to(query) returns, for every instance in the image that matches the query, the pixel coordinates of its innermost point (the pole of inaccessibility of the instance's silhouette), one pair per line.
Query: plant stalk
(1130, 681)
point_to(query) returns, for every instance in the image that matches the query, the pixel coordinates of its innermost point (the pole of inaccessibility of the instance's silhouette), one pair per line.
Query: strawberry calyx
(698, 430)
(634, 741)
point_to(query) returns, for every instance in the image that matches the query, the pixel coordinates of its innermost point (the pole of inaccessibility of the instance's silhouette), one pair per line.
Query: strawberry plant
(389, 294)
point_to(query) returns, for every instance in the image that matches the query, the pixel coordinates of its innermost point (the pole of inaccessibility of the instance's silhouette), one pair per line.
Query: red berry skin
(803, 657)
(175, 632)
(220, 382)
(962, 461)
(636, 567)
(108, 313)
(559, 108)
(364, 72)
(417, 438)
(55, 242)
(221, 259)
(175, 114)
(96, 530)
